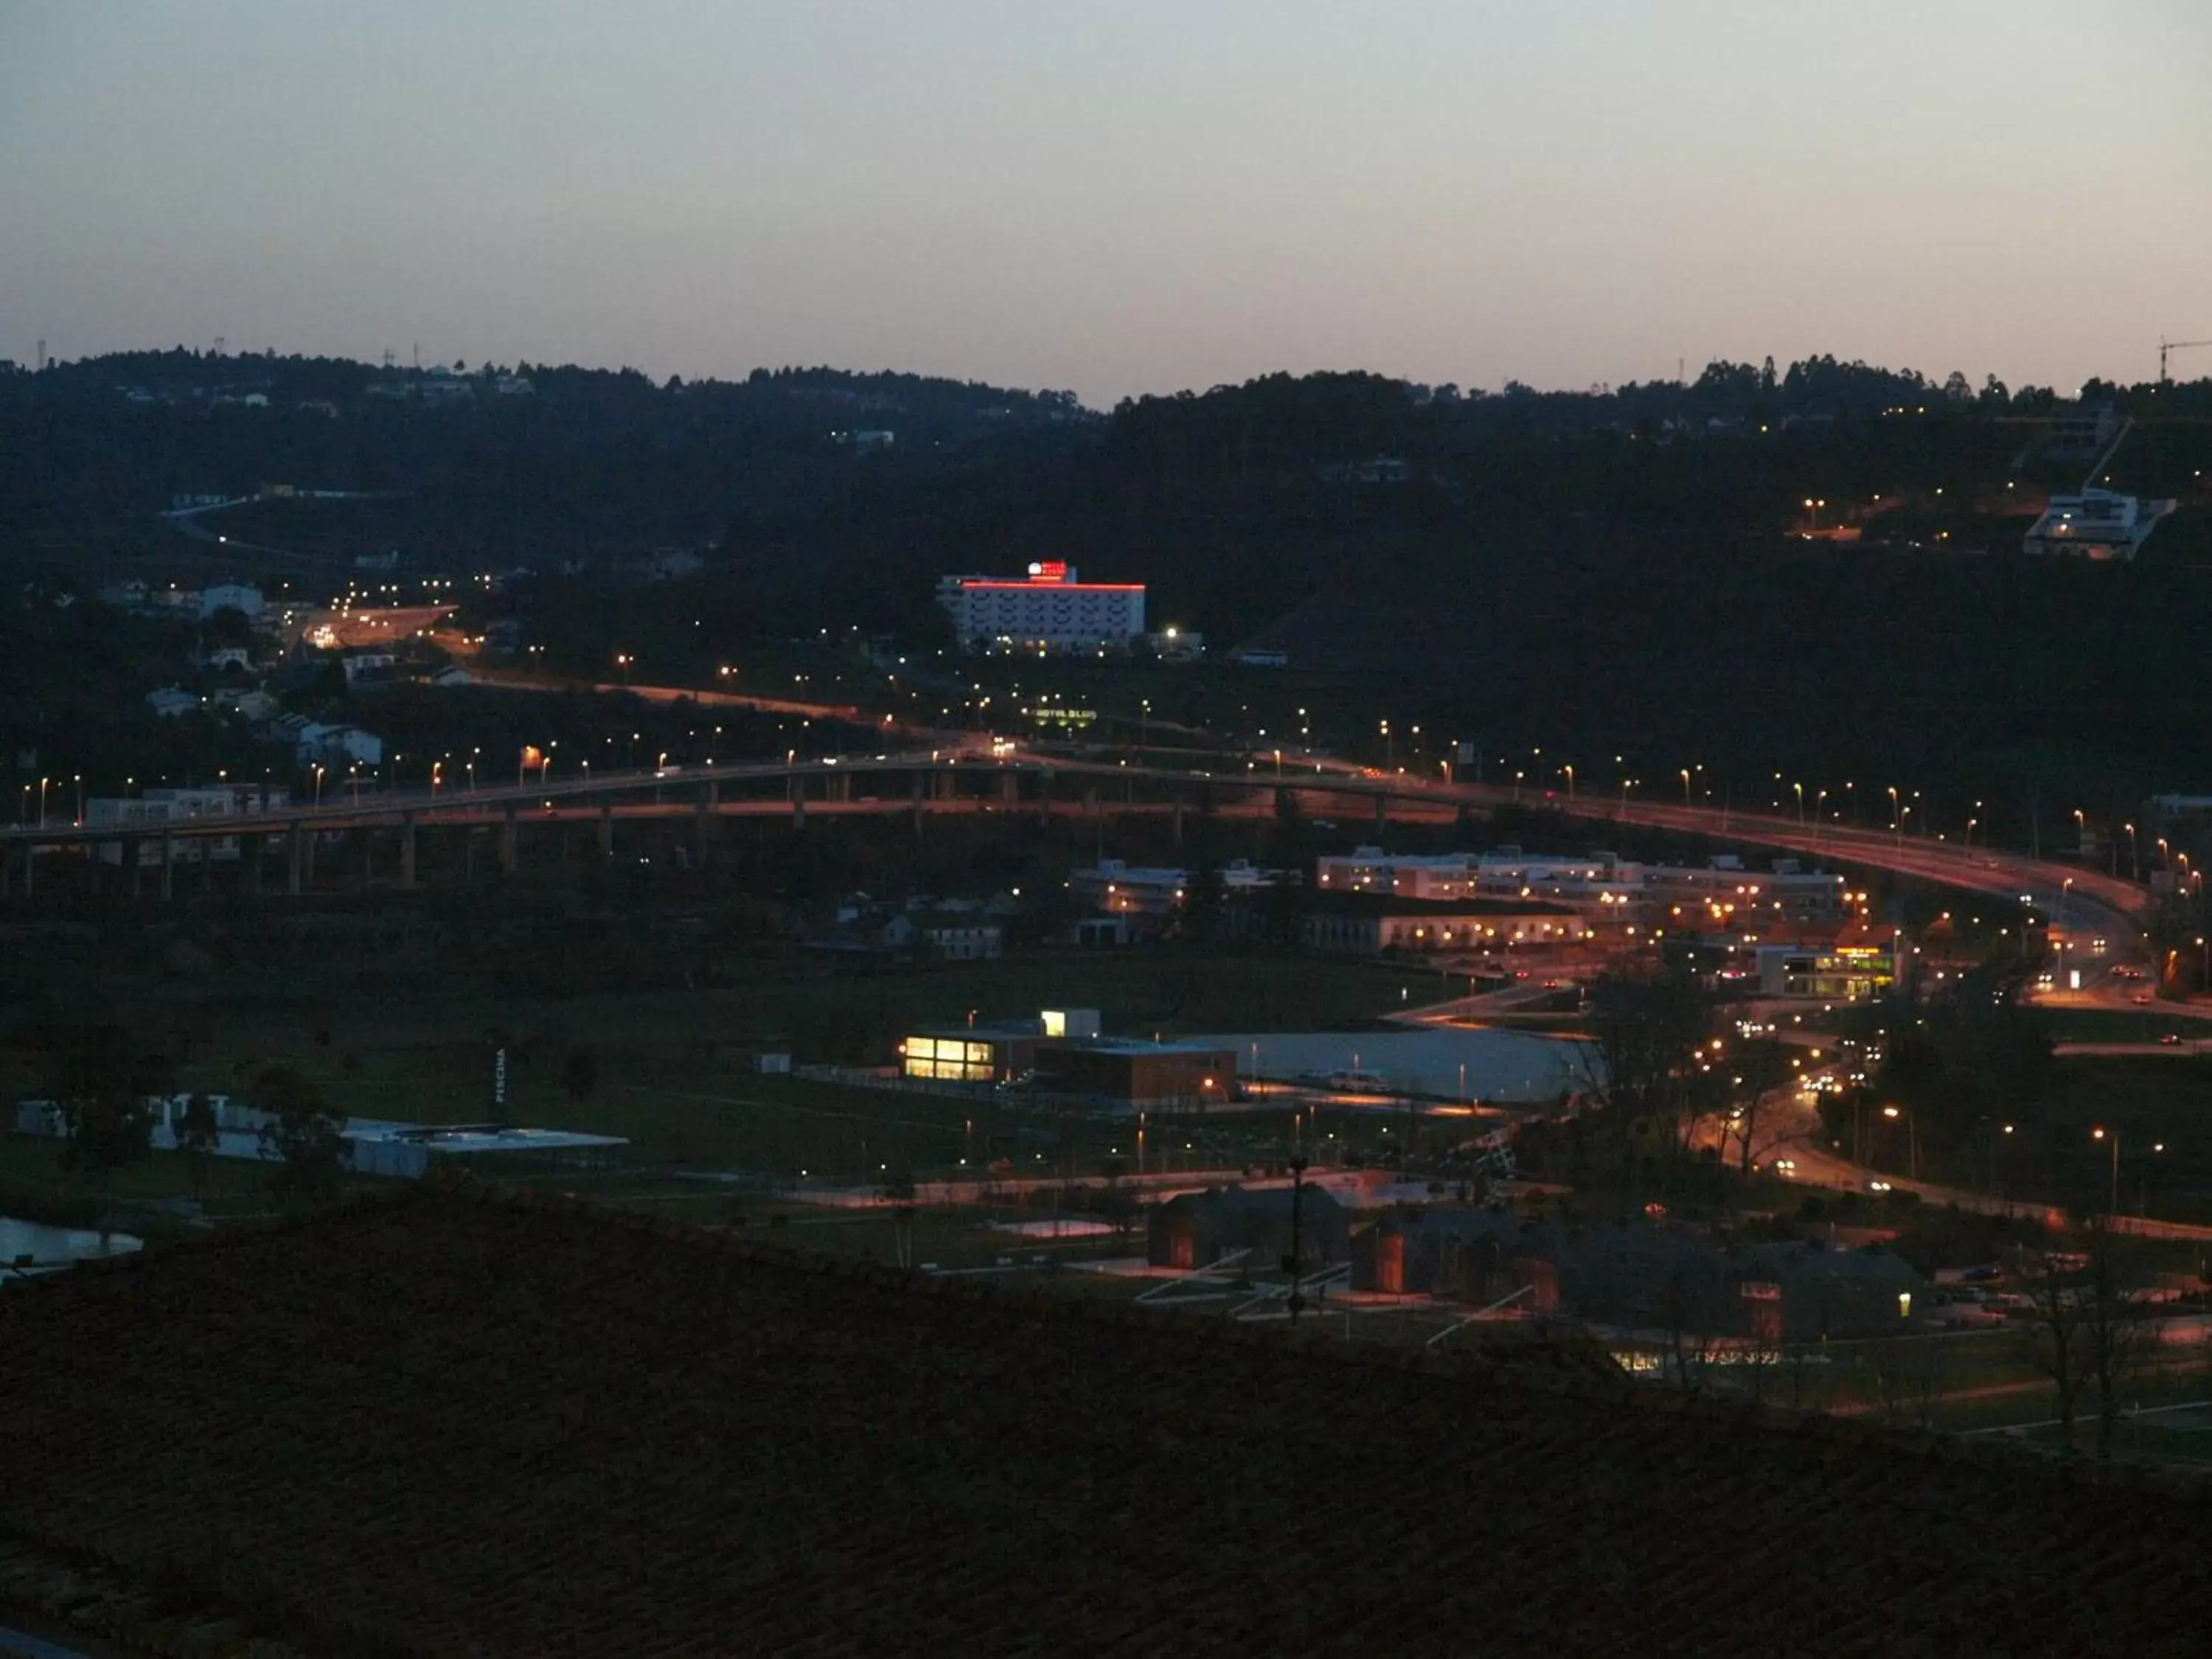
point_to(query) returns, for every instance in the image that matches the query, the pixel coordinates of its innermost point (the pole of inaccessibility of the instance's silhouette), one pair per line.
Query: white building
(1370, 870)
(318, 740)
(171, 701)
(1048, 610)
(234, 596)
(153, 808)
(2097, 524)
(1125, 889)
(960, 938)
(1599, 883)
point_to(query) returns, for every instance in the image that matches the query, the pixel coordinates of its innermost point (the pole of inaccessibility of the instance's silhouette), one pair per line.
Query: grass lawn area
(2147, 1102)
(2122, 1024)
(674, 1067)
(34, 1186)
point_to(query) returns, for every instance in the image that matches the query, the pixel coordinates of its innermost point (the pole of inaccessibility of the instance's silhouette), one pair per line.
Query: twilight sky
(1116, 196)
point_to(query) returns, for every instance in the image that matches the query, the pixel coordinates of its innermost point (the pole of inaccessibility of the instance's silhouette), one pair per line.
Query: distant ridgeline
(1754, 548)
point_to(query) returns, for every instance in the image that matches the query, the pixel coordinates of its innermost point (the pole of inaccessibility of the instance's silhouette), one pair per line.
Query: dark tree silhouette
(196, 1137)
(303, 1136)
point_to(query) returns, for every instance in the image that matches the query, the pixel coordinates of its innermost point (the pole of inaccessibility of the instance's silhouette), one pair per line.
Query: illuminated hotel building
(1048, 610)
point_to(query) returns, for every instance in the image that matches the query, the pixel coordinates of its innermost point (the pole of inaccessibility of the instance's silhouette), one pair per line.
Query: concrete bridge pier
(606, 830)
(134, 863)
(295, 859)
(1010, 785)
(706, 822)
(1381, 815)
(407, 850)
(249, 864)
(169, 866)
(510, 835)
(1175, 822)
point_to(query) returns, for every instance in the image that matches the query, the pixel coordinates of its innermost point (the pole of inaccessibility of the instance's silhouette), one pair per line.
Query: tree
(580, 1072)
(1204, 906)
(196, 1137)
(304, 1135)
(2118, 1334)
(1643, 1060)
(101, 1080)
(1761, 1074)
(1694, 1304)
(2052, 1336)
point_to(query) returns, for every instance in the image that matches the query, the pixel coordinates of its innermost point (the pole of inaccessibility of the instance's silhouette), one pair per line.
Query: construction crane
(2165, 345)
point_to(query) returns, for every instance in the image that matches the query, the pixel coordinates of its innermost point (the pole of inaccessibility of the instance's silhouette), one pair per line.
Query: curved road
(2076, 898)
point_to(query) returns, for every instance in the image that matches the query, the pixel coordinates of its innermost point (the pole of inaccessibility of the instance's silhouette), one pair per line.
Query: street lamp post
(1685, 788)
(2114, 1137)
(1569, 771)
(1911, 1136)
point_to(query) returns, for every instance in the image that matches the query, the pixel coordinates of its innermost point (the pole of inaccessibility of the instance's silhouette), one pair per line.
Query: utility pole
(1294, 1260)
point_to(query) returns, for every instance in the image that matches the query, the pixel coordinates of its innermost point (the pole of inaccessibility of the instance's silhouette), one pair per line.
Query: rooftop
(1338, 901)
(444, 1423)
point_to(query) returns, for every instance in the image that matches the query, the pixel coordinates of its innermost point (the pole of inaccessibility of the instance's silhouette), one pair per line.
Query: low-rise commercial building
(1598, 885)
(231, 596)
(151, 809)
(1154, 893)
(1651, 1278)
(1197, 1230)
(1371, 923)
(1063, 1052)
(1161, 1076)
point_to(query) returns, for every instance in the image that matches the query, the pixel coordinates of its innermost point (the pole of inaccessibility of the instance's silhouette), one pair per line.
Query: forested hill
(1237, 506)
(565, 458)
